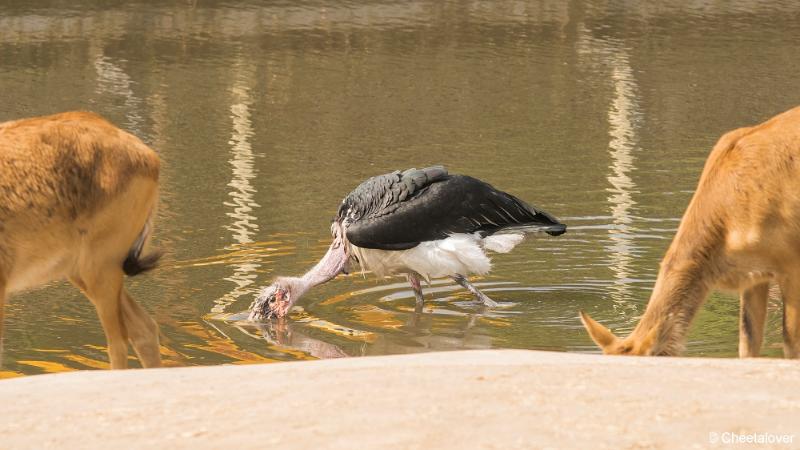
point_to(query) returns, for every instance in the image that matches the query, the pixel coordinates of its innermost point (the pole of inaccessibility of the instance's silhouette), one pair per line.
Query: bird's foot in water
(480, 296)
(489, 303)
(416, 286)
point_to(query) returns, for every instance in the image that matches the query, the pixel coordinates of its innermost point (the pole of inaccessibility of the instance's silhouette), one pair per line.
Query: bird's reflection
(287, 334)
(421, 325)
(397, 330)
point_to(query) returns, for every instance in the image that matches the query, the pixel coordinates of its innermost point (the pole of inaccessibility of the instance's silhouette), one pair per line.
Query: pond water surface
(266, 114)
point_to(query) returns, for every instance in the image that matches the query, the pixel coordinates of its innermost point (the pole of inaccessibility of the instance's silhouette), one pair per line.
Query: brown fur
(741, 231)
(76, 192)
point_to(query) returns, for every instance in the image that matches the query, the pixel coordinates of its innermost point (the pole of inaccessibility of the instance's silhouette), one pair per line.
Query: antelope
(740, 232)
(77, 200)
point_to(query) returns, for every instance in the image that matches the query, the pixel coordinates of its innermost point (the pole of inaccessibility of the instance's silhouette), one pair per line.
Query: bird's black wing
(381, 195)
(436, 208)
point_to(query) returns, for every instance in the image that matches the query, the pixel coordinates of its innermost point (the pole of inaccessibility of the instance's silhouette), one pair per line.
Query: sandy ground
(472, 399)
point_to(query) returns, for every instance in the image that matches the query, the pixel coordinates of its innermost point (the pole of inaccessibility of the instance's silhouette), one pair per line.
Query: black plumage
(398, 210)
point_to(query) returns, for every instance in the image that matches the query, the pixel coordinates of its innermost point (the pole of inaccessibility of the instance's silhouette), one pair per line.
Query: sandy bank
(488, 399)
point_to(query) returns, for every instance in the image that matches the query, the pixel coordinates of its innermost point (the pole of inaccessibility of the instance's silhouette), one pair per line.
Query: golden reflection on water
(10, 374)
(236, 254)
(219, 344)
(47, 366)
(87, 362)
(376, 317)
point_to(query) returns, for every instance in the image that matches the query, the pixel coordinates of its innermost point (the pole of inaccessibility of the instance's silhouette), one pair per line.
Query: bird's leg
(480, 296)
(416, 286)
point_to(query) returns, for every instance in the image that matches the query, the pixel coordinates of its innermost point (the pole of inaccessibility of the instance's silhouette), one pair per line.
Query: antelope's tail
(136, 263)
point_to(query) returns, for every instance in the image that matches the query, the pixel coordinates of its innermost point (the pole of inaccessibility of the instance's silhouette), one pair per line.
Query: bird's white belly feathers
(457, 254)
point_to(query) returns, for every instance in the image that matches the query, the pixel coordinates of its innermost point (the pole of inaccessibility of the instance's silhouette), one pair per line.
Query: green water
(266, 114)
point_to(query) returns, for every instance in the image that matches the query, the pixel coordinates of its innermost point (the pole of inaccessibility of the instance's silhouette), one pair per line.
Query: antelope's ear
(601, 335)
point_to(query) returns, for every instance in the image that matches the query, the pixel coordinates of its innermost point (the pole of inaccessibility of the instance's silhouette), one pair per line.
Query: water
(267, 114)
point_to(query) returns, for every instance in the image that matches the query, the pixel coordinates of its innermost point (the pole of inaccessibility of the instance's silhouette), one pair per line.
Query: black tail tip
(556, 230)
(136, 264)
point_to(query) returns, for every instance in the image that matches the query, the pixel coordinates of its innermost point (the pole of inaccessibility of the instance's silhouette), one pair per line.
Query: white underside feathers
(457, 254)
(502, 243)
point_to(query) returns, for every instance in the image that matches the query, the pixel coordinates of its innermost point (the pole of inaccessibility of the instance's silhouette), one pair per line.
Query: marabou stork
(419, 223)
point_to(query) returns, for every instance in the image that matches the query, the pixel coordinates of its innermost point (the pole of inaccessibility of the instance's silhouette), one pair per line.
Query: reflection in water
(400, 326)
(111, 79)
(622, 117)
(392, 326)
(242, 201)
(287, 334)
(214, 341)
